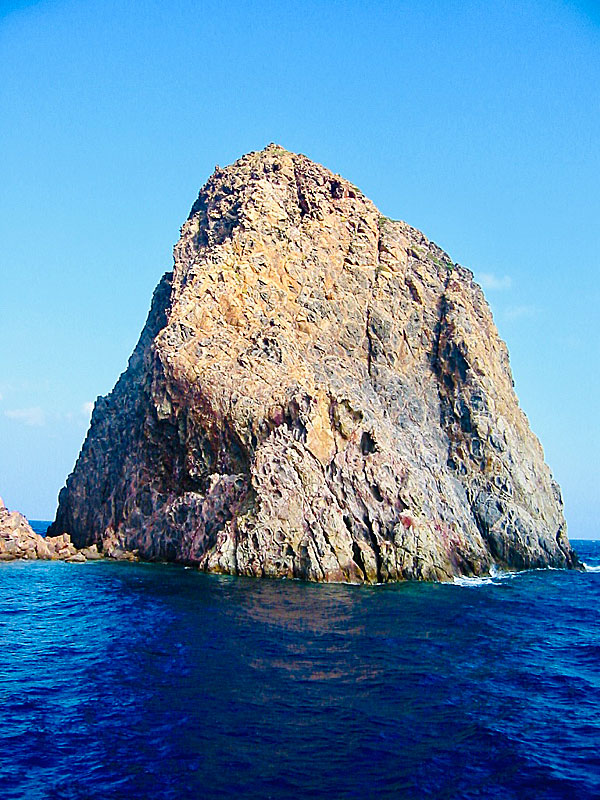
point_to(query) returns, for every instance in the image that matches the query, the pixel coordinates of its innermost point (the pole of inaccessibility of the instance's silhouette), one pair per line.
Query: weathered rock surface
(19, 540)
(319, 392)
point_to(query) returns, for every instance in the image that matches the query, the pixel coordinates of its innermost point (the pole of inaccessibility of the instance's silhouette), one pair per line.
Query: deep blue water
(144, 681)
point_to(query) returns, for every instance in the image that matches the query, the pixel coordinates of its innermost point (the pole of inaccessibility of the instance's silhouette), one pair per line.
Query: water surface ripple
(150, 681)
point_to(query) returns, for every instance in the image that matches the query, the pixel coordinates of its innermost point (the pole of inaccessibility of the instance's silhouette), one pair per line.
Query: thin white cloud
(87, 408)
(34, 417)
(521, 312)
(493, 283)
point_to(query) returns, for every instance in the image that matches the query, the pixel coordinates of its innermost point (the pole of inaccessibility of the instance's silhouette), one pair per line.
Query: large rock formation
(319, 392)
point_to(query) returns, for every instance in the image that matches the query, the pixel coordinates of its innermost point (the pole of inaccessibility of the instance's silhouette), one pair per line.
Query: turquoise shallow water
(153, 681)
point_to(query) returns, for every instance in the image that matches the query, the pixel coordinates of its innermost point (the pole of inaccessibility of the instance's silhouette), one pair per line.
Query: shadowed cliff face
(319, 392)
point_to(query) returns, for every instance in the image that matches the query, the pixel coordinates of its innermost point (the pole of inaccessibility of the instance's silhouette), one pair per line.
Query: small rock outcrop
(18, 540)
(319, 392)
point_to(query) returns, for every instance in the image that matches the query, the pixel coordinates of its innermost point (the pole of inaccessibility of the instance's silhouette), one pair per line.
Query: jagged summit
(318, 392)
(228, 192)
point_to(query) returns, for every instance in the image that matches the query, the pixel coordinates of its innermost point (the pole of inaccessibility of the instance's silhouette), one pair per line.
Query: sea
(145, 681)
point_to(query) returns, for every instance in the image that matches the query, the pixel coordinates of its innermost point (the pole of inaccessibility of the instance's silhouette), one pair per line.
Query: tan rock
(91, 553)
(76, 558)
(319, 392)
(18, 540)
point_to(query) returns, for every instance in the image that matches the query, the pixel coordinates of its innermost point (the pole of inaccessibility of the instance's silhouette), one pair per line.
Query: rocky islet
(319, 392)
(18, 540)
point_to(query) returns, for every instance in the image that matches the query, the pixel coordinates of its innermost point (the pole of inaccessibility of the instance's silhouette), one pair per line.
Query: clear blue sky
(477, 122)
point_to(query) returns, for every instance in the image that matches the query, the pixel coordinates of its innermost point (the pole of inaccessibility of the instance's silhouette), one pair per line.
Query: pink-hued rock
(18, 540)
(319, 392)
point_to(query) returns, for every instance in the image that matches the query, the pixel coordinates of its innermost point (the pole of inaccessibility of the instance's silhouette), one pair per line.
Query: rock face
(18, 540)
(319, 392)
